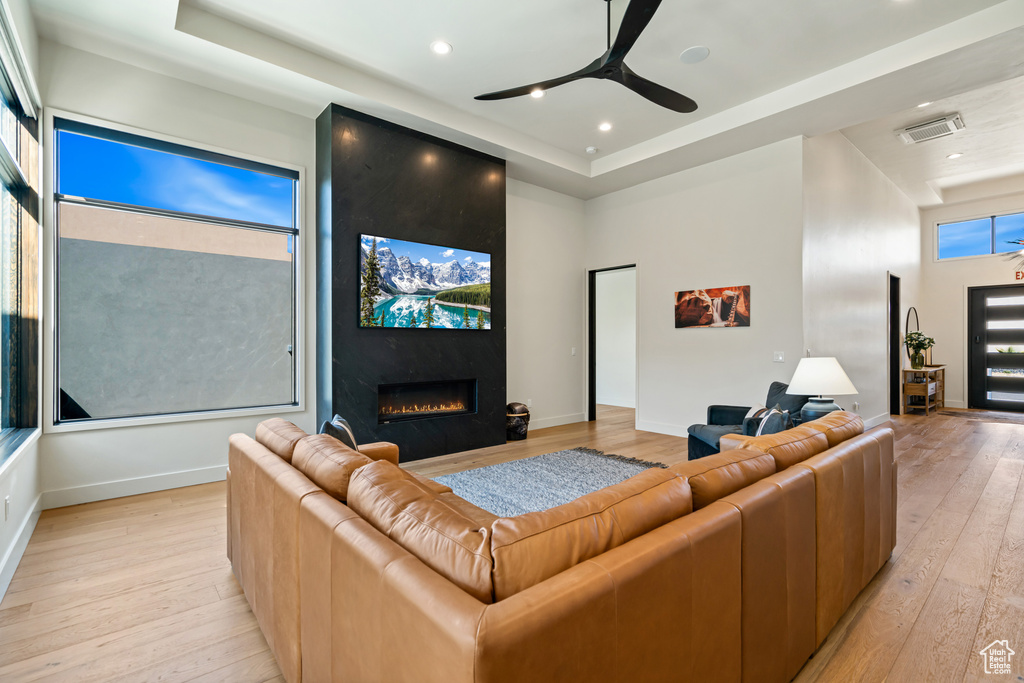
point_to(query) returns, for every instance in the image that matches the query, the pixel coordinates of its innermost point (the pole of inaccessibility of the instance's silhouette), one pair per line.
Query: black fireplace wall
(378, 178)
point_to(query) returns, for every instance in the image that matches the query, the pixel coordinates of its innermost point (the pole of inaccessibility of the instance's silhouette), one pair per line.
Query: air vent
(930, 130)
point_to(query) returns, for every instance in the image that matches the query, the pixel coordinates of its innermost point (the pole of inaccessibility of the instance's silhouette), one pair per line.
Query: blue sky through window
(1008, 229)
(969, 238)
(117, 172)
(428, 253)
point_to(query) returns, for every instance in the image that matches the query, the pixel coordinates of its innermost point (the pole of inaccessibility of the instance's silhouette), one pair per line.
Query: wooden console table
(924, 389)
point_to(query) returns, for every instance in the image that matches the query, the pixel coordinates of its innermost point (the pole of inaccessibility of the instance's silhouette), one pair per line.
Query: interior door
(996, 339)
(895, 347)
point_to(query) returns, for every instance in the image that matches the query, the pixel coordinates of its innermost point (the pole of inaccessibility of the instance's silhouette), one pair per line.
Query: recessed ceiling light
(591, 150)
(537, 94)
(954, 155)
(923, 104)
(439, 47)
(605, 127)
(694, 55)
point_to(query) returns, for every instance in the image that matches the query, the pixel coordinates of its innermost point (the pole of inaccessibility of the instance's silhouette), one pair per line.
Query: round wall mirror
(913, 324)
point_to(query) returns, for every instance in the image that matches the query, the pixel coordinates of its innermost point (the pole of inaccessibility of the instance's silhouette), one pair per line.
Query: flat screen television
(421, 286)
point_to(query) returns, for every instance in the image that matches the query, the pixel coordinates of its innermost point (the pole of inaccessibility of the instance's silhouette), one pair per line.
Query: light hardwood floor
(138, 589)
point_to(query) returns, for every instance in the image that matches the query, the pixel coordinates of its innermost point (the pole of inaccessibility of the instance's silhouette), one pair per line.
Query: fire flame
(426, 408)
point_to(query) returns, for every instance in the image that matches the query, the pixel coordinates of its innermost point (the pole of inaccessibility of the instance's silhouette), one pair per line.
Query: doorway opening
(995, 334)
(895, 347)
(611, 322)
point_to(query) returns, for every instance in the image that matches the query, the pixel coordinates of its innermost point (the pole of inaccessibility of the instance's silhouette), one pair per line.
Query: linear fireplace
(422, 400)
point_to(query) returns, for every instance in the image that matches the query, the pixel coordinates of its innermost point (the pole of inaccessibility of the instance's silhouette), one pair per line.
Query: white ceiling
(777, 69)
(992, 145)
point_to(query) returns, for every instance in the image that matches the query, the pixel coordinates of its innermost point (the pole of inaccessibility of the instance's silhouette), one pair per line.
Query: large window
(19, 255)
(981, 236)
(175, 278)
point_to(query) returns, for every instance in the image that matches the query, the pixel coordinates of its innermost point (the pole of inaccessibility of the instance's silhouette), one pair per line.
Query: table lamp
(817, 377)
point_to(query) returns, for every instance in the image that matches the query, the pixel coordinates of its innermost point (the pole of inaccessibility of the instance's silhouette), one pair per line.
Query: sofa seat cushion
(838, 426)
(328, 463)
(417, 519)
(712, 434)
(789, 447)
(716, 476)
(530, 548)
(280, 436)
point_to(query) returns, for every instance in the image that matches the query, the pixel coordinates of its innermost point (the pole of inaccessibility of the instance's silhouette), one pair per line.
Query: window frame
(19, 405)
(987, 215)
(50, 268)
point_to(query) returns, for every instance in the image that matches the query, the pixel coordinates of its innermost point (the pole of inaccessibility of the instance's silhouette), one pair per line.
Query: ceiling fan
(611, 64)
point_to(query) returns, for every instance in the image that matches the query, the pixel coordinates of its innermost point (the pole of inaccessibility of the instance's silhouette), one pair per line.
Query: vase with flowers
(917, 343)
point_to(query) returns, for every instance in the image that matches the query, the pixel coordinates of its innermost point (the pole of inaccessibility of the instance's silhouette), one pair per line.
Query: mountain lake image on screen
(415, 285)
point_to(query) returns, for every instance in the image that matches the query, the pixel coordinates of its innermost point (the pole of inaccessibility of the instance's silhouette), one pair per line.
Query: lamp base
(817, 407)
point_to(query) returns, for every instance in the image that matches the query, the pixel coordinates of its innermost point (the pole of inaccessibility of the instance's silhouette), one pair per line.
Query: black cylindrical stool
(517, 421)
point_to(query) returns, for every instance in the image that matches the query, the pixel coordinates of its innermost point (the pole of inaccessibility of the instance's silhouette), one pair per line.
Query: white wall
(90, 465)
(858, 226)
(616, 337)
(25, 27)
(546, 281)
(944, 284)
(736, 221)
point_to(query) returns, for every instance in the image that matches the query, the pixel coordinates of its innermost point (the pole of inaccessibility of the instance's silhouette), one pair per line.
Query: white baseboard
(661, 428)
(871, 422)
(77, 495)
(12, 557)
(557, 421)
(955, 404)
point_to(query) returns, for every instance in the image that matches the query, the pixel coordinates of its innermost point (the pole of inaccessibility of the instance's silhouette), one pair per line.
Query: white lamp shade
(820, 377)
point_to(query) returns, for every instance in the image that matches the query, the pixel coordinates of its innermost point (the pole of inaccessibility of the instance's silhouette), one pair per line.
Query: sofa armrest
(380, 450)
(727, 415)
(732, 442)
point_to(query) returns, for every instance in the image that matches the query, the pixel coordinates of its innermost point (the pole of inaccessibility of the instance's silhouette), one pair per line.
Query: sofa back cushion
(789, 447)
(533, 547)
(716, 476)
(328, 463)
(838, 426)
(280, 436)
(418, 520)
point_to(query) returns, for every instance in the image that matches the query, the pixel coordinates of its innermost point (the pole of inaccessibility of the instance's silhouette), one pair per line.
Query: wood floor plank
(1000, 620)
(973, 559)
(257, 668)
(1008, 575)
(939, 646)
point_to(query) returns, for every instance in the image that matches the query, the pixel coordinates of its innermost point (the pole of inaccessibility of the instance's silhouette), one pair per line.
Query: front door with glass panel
(996, 342)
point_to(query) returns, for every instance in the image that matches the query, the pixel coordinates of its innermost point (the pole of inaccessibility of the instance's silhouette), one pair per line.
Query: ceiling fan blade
(658, 94)
(586, 72)
(634, 21)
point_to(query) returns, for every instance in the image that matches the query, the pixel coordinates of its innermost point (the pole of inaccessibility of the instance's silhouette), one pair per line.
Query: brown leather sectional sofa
(733, 567)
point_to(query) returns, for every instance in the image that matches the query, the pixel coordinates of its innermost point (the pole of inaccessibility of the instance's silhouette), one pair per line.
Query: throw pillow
(775, 421)
(757, 409)
(753, 419)
(340, 429)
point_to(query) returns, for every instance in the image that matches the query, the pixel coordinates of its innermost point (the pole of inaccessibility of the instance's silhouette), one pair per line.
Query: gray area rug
(542, 482)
